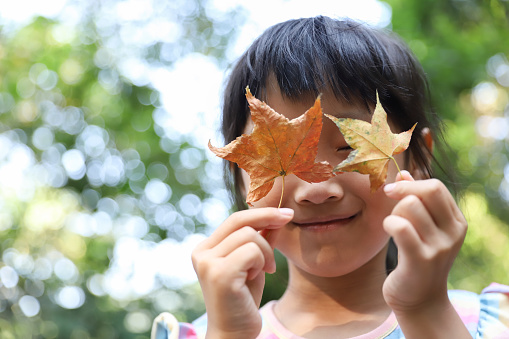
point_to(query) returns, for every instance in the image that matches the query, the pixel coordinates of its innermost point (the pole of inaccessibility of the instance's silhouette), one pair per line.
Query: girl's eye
(345, 148)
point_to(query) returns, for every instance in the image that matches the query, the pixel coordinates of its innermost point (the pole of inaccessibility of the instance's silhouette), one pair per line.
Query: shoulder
(485, 315)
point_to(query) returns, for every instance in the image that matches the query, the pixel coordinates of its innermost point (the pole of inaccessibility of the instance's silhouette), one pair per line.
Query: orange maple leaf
(374, 145)
(277, 147)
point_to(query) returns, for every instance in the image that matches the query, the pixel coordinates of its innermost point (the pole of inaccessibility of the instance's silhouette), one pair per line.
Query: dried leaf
(374, 145)
(277, 147)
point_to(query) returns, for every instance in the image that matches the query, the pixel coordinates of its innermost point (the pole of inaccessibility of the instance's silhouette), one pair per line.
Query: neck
(354, 298)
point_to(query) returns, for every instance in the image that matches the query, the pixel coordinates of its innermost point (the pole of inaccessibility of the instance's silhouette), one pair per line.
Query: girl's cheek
(271, 199)
(274, 196)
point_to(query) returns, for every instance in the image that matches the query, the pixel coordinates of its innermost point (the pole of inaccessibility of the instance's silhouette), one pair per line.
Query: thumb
(404, 175)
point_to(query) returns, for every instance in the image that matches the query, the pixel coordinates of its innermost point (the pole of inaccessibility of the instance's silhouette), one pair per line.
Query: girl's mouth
(324, 224)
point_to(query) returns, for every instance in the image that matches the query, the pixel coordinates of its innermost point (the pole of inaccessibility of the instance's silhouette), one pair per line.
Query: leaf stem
(397, 166)
(280, 202)
(282, 191)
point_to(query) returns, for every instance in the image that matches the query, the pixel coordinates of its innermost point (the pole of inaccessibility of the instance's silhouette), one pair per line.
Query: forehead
(293, 108)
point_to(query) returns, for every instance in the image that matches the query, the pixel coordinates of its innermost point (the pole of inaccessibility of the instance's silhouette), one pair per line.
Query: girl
(346, 277)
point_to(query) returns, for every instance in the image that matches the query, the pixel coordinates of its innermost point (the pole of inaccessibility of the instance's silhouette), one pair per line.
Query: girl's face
(337, 226)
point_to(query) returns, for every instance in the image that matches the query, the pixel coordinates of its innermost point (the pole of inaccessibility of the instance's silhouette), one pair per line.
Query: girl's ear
(420, 172)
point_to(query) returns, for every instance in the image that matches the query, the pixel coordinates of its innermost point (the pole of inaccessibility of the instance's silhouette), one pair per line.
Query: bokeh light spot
(70, 297)
(8, 276)
(43, 138)
(138, 321)
(74, 164)
(29, 305)
(6, 102)
(71, 71)
(157, 191)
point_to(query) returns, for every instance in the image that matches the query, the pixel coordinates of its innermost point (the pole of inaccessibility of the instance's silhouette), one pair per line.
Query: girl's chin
(337, 261)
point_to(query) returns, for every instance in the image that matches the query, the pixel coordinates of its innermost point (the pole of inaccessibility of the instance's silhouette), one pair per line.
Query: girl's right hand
(231, 266)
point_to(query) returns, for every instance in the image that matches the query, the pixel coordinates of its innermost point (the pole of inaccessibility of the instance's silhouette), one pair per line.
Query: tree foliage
(89, 168)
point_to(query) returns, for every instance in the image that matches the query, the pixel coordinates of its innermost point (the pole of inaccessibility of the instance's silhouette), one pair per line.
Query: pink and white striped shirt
(485, 315)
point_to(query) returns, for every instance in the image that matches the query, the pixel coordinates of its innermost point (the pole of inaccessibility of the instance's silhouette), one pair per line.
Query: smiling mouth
(320, 226)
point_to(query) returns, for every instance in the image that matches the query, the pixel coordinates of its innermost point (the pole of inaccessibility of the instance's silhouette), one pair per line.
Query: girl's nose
(318, 193)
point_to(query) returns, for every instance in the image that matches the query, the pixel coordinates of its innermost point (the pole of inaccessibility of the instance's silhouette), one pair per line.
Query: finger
(246, 258)
(404, 175)
(404, 234)
(256, 286)
(412, 209)
(435, 197)
(259, 218)
(241, 237)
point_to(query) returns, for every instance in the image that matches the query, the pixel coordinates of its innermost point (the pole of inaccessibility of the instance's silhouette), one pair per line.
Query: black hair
(353, 60)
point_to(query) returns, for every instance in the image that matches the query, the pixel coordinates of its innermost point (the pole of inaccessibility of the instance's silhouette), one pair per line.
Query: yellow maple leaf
(374, 145)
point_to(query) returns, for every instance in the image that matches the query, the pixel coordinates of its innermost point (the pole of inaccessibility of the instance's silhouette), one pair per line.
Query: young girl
(346, 278)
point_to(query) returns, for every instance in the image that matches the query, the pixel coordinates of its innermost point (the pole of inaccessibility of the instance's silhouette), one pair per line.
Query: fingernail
(406, 173)
(288, 212)
(389, 187)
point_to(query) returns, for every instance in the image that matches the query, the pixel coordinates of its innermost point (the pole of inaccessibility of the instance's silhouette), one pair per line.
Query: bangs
(308, 56)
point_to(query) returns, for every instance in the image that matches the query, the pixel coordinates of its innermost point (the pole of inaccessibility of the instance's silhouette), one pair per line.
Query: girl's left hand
(428, 229)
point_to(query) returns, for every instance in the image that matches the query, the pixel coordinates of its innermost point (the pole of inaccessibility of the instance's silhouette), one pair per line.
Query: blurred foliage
(90, 168)
(86, 170)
